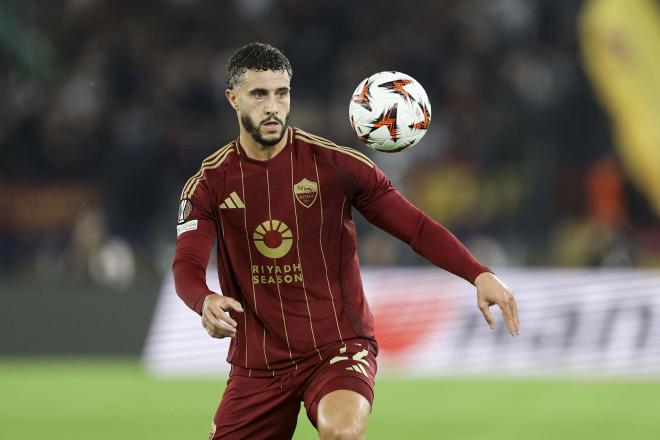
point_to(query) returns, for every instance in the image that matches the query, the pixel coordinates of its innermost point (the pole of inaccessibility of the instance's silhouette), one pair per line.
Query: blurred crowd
(107, 107)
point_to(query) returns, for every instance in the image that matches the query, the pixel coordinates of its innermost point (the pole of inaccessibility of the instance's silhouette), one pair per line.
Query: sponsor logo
(276, 274)
(306, 192)
(273, 238)
(185, 227)
(232, 202)
(185, 208)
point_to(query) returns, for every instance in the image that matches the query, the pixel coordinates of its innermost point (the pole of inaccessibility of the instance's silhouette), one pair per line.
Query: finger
(514, 311)
(218, 329)
(483, 306)
(218, 313)
(225, 318)
(508, 317)
(213, 324)
(232, 304)
(222, 329)
(221, 334)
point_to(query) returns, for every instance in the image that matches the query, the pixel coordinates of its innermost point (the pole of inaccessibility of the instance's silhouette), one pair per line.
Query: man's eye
(283, 93)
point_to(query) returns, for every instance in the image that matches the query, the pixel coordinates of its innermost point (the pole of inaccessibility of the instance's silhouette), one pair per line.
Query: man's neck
(255, 150)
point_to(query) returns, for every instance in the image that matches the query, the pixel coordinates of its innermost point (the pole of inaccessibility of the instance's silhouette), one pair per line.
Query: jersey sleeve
(382, 205)
(196, 234)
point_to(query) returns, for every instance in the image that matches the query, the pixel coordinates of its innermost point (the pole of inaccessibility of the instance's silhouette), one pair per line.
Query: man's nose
(270, 106)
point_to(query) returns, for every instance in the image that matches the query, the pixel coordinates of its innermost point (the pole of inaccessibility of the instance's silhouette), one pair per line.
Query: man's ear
(232, 98)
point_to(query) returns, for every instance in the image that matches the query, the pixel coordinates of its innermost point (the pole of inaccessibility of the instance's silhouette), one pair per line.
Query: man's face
(262, 102)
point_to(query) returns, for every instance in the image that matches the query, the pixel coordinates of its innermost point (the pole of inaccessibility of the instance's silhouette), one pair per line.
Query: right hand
(214, 317)
(490, 291)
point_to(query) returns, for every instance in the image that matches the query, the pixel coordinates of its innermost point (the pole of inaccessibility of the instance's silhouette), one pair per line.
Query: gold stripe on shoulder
(329, 142)
(211, 162)
(350, 153)
(209, 159)
(205, 162)
(209, 166)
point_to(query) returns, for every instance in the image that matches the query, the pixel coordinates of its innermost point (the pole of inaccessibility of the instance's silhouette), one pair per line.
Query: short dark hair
(256, 56)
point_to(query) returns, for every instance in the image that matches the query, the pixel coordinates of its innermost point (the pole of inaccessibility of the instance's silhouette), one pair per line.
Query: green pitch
(115, 399)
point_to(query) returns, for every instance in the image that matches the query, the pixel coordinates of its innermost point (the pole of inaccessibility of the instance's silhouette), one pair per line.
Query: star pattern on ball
(424, 123)
(392, 100)
(387, 119)
(357, 133)
(364, 97)
(397, 86)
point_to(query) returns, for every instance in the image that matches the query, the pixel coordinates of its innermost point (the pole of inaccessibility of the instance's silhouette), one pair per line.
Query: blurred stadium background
(543, 156)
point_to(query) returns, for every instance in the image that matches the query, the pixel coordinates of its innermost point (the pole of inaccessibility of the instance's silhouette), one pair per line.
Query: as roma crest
(306, 192)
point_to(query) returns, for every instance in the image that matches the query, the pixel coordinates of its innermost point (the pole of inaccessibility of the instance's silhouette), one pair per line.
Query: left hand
(215, 318)
(490, 291)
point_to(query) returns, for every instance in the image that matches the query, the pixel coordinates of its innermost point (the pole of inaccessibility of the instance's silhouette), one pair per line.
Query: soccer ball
(389, 111)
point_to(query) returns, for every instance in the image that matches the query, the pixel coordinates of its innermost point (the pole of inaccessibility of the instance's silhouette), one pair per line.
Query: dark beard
(254, 130)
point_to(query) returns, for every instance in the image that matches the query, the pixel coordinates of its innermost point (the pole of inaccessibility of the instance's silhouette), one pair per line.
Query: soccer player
(277, 201)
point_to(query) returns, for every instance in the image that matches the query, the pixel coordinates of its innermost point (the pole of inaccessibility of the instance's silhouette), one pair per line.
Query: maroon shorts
(258, 407)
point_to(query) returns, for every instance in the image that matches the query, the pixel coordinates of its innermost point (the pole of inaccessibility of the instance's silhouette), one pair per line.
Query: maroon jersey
(287, 247)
